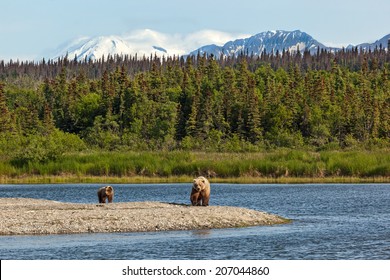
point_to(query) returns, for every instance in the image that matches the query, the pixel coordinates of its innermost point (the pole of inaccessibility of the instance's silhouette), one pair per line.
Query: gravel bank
(24, 216)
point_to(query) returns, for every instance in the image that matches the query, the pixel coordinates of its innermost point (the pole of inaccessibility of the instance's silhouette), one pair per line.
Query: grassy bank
(178, 166)
(69, 179)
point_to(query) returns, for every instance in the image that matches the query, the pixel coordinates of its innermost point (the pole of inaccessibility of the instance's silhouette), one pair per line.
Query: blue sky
(29, 29)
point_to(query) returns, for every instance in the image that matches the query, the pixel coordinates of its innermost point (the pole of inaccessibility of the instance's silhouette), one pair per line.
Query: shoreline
(69, 179)
(25, 216)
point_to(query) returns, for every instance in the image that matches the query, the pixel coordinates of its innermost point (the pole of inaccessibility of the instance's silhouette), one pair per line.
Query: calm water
(330, 222)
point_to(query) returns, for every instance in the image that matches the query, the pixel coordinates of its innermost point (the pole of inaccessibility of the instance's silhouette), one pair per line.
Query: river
(330, 221)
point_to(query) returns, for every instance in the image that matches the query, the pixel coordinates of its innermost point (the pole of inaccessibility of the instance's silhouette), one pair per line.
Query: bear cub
(105, 193)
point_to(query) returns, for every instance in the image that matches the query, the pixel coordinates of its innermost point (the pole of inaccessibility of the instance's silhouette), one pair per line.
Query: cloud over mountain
(142, 42)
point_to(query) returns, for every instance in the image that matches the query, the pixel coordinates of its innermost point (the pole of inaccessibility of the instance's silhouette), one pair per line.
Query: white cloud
(178, 43)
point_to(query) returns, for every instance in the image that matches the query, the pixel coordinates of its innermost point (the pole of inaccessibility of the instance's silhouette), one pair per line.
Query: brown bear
(105, 193)
(200, 194)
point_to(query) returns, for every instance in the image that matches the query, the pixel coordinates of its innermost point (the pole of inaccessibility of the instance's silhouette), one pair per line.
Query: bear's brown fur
(105, 193)
(200, 194)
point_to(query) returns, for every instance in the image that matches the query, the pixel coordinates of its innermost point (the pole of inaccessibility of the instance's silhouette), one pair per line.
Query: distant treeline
(352, 59)
(245, 103)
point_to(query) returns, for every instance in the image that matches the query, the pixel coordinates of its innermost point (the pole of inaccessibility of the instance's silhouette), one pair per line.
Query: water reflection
(203, 233)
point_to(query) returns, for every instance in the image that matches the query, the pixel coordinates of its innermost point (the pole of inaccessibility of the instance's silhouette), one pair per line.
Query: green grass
(279, 166)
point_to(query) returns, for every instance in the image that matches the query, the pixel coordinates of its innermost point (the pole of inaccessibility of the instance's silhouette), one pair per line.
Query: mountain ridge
(384, 42)
(267, 41)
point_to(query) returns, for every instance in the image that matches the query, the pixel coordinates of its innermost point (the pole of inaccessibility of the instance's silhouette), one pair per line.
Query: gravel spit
(25, 216)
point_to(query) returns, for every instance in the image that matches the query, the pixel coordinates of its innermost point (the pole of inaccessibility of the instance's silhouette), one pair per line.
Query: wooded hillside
(245, 103)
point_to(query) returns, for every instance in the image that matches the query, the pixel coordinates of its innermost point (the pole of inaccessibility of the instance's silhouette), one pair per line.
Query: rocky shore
(25, 216)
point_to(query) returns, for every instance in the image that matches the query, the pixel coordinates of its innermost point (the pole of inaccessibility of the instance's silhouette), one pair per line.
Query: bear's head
(199, 184)
(109, 190)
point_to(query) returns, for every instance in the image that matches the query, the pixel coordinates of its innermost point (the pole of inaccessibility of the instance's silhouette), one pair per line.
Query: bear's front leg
(195, 199)
(205, 200)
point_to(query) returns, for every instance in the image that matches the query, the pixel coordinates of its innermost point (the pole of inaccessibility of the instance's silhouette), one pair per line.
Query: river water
(330, 221)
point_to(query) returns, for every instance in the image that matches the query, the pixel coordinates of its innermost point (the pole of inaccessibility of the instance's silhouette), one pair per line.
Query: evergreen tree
(253, 118)
(185, 106)
(5, 116)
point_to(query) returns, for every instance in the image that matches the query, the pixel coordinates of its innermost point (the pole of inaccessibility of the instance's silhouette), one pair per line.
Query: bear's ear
(194, 180)
(203, 180)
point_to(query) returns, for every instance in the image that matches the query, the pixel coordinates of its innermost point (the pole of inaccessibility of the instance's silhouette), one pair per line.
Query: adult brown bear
(200, 194)
(105, 193)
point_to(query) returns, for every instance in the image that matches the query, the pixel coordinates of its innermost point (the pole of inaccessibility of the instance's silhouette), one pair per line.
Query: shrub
(43, 148)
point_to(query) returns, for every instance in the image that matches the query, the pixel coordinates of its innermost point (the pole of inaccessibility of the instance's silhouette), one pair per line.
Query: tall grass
(274, 164)
(354, 163)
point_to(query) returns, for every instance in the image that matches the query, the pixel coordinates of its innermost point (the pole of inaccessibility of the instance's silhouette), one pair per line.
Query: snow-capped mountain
(96, 48)
(270, 41)
(148, 42)
(141, 42)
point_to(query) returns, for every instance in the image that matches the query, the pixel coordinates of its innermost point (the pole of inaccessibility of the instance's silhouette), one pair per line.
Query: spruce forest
(296, 105)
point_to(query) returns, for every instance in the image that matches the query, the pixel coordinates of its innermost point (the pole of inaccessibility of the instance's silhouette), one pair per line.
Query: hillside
(57, 110)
